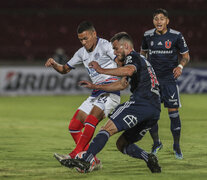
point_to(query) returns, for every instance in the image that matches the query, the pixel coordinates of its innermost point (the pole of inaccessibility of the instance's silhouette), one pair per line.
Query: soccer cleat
(62, 159)
(98, 165)
(156, 148)
(177, 151)
(152, 164)
(78, 163)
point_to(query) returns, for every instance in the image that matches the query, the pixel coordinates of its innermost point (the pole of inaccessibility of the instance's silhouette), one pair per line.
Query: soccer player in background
(100, 103)
(136, 116)
(161, 46)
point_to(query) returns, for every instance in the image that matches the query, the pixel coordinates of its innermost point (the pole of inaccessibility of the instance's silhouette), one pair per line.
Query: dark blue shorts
(134, 113)
(170, 95)
(137, 133)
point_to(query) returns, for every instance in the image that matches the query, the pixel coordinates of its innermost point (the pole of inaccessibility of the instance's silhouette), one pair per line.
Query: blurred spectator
(60, 56)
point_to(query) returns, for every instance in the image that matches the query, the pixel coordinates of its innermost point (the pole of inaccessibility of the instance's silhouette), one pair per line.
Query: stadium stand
(32, 30)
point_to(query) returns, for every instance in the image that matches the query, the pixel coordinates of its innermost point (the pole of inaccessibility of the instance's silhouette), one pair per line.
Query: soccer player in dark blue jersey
(161, 46)
(136, 116)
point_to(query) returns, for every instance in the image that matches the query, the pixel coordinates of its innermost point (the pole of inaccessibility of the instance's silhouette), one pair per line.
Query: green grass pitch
(33, 128)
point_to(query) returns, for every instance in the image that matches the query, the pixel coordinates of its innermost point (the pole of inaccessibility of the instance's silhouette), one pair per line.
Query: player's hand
(50, 62)
(95, 66)
(177, 72)
(86, 84)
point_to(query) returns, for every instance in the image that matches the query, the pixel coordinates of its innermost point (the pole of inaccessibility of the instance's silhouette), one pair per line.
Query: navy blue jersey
(163, 51)
(143, 82)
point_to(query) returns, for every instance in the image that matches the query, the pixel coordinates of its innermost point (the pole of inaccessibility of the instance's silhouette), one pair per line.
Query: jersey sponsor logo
(168, 44)
(159, 43)
(130, 120)
(160, 52)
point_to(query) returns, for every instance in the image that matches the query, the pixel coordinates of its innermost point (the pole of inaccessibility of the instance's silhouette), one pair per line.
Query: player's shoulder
(149, 32)
(80, 51)
(133, 56)
(103, 41)
(173, 31)
(104, 44)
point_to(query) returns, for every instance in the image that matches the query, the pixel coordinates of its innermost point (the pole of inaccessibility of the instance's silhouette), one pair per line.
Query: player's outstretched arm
(120, 71)
(63, 69)
(115, 86)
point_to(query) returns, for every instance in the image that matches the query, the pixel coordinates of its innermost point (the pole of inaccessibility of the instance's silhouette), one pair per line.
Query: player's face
(88, 39)
(119, 50)
(160, 22)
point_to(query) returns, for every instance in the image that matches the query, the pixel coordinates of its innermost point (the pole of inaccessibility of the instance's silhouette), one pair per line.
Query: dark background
(31, 30)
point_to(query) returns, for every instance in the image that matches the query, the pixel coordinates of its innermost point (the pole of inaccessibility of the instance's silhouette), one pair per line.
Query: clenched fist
(50, 62)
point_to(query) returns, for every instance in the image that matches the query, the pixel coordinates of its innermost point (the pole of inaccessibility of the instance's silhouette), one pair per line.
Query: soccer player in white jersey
(100, 103)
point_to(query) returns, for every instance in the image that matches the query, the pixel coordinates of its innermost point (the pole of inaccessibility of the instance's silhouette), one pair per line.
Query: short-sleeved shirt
(104, 55)
(163, 51)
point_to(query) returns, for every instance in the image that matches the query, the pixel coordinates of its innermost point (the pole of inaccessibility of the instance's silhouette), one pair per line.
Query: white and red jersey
(103, 54)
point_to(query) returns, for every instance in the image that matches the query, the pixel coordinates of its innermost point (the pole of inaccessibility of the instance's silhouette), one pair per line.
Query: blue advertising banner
(193, 80)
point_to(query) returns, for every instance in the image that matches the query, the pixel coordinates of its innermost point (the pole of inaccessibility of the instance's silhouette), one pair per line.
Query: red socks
(90, 126)
(75, 128)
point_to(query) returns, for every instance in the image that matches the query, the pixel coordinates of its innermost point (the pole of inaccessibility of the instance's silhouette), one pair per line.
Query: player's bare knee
(97, 112)
(110, 127)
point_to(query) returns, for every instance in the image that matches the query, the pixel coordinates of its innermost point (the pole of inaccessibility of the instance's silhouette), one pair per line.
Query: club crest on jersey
(97, 55)
(168, 44)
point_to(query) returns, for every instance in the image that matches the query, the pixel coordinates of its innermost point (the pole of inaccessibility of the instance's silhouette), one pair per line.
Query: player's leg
(95, 147)
(126, 147)
(157, 144)
(173, 103)
(136, 152)
(91, 122)
(101, 139)
(103, 105)
(125, 143)
(176, 131)
(77, 124)
(154, 131)
(109, 129)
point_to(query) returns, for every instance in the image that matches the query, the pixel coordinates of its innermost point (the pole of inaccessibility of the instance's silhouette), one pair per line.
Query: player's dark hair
(85, 26)
(160, 11)
(122, 36)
